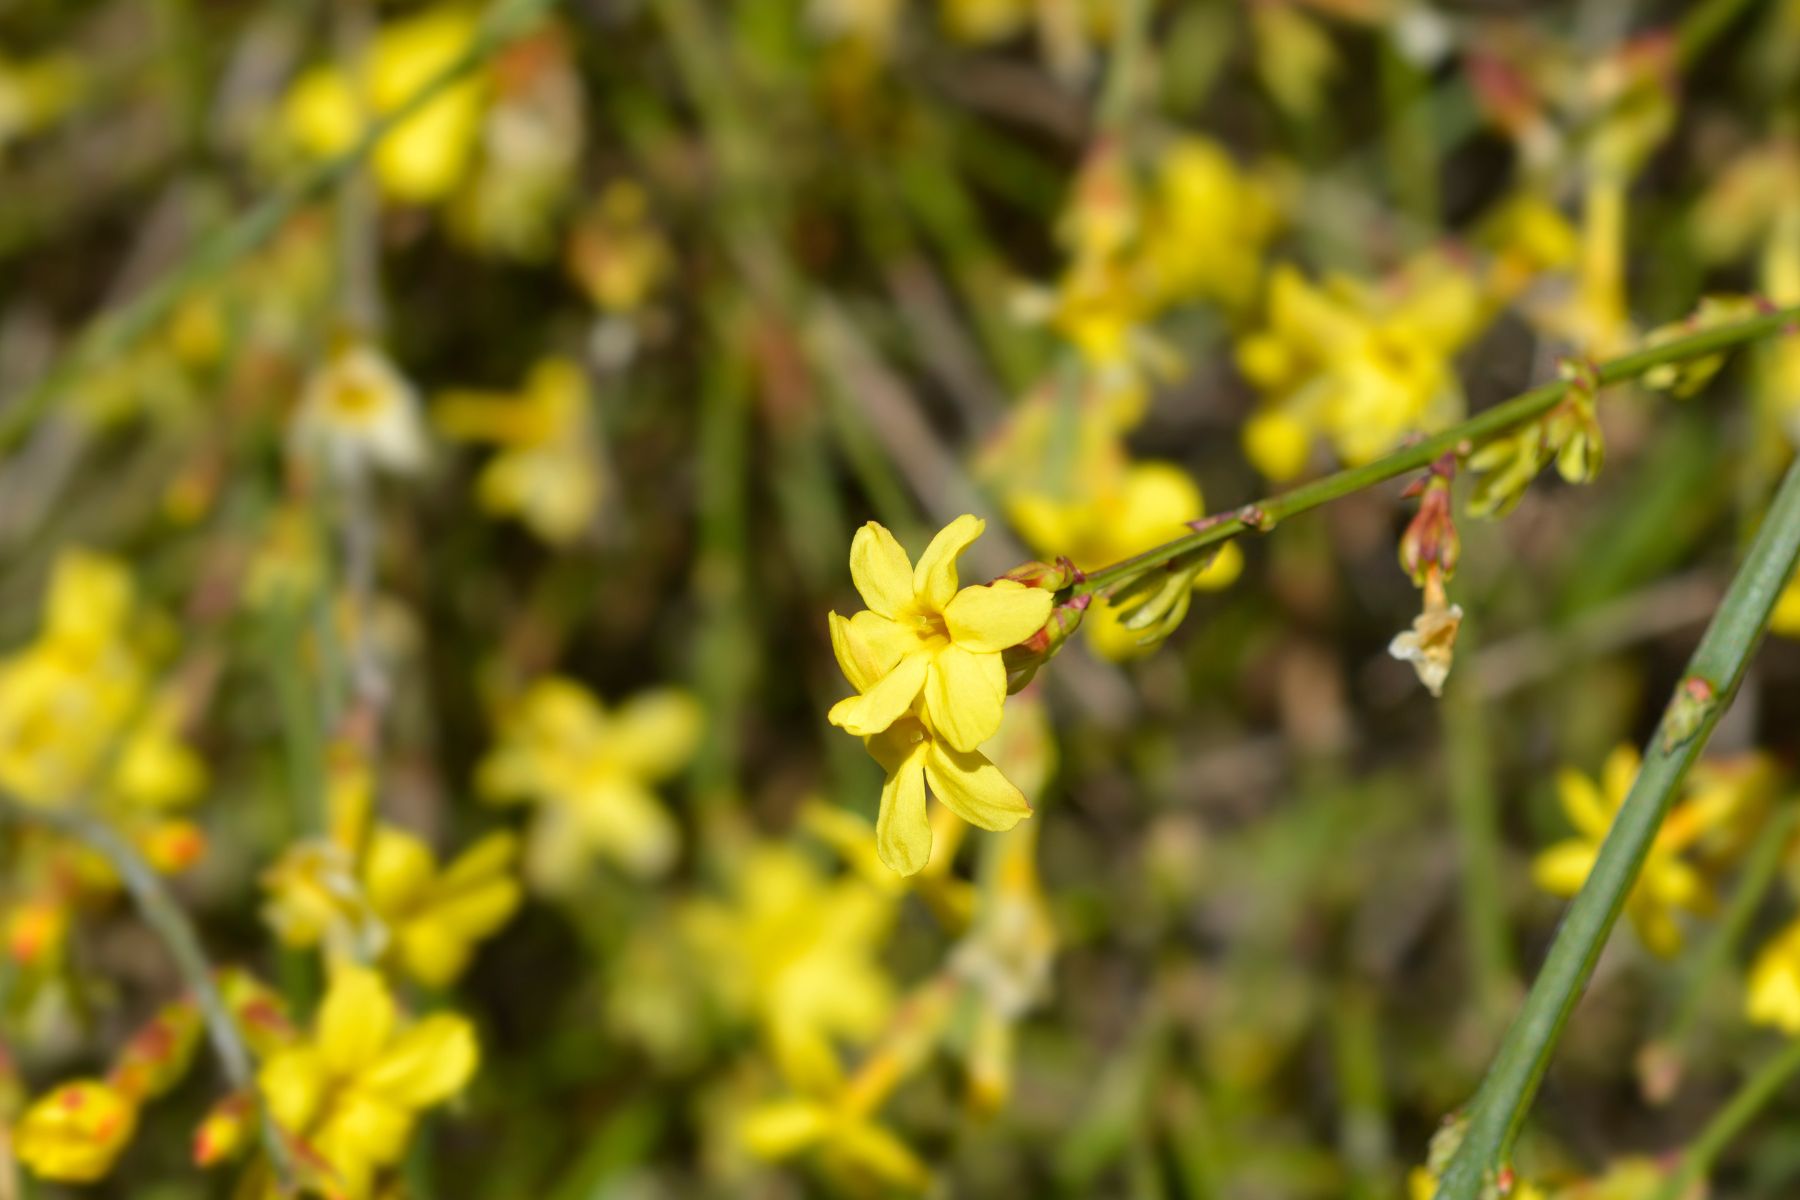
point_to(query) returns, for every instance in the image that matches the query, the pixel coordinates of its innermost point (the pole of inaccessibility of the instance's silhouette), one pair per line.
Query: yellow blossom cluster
(925, 660)
(498, 146)
(83, 719)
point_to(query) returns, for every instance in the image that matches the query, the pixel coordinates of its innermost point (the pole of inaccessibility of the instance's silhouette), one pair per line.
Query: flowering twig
(1712, 676)
(167, 920)
(1458, 439)
(110, 334)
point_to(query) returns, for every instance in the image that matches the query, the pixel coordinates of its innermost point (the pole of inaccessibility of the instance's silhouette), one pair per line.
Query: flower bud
(225, 1130)
(75, 1133)
(1023, 660)
(158, 1054)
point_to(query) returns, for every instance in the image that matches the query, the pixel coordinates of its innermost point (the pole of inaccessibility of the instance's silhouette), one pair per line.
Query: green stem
(1703, 24)
(1458, 439)
(1730, 1121)
(1474, 807)
(1124, 73)
(167, 920)
(112, 333)
(1712, 676)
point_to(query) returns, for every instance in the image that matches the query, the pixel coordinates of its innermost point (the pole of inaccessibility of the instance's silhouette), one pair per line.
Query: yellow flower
(1667, 884)
(358, 412)
(434, 917)
(75, 1133)
(1207, 227)
(353, 1091)
(912, 753)
(80, 690)
(615, 252)
(429, 154)
(545, 473)
(591, 773)
(1360, 366)
(800, 955)
(922, 637)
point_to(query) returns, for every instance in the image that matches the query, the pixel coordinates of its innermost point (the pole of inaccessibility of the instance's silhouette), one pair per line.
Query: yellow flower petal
(629, 823)
(398, 867)
(855, 657)
(783, 1128)
(964, 696)
(887, 641)
(1619, 773)
(934, 579)
(363, 1132)
(1002, 614)
(1583, 803)
(888, 700)
(356, 1019)
(902, 831)
(973, 788)
(656, 732)
(883, 1155)
(881, 571)
(293, 1082)
(427, 1064)
(1564, 867)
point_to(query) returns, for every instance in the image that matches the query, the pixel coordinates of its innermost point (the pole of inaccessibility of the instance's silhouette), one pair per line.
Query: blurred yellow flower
(1667, 884)
(1772, 991)
(429, 154)
(77, 701)
(912, 753)
(799, 954)
(1207, 226)
(545, 472)
(352, 1092)
(357, 413)
(615, 252)
(434, 917)
(76, 1132)
(923, 638)
(1357, 365)
(591, 773)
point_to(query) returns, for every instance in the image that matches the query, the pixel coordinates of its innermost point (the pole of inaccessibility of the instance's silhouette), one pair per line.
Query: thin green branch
(112, 333)
(1458, 439)
(1712, 676)
(167, 920)
(1730, 1121)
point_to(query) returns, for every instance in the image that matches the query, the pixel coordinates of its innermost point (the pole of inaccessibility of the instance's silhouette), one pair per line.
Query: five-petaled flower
(921, 637)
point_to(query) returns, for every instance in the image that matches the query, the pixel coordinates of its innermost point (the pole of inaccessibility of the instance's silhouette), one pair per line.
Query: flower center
(930, 627)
